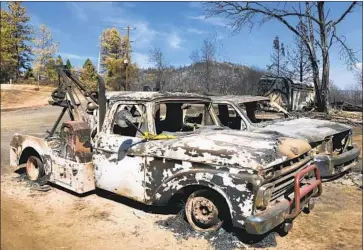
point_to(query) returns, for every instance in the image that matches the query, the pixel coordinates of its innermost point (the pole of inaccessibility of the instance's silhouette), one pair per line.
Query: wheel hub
(204, 211)
(32, 169)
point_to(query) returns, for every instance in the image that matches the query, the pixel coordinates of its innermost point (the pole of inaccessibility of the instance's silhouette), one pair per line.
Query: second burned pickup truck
(140, 145)
(335, 152)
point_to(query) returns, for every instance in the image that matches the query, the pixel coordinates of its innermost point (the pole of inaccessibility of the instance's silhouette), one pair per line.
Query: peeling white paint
(246, 207)
(203, 176)
(124, 177)
(241, 187)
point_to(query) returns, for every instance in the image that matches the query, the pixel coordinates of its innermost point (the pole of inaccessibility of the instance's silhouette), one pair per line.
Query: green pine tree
(69, 65)
(89, 75)
(15, 38)
(115, 49)
(51, 71)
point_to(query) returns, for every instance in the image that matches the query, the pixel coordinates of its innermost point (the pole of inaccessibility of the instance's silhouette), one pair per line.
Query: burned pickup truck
(331, 142)
(140, 145)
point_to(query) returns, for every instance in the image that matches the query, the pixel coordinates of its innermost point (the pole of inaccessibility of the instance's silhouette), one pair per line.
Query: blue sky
(177, 28)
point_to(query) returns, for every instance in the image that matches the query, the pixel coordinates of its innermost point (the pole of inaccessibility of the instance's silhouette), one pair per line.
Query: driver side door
(115, 170)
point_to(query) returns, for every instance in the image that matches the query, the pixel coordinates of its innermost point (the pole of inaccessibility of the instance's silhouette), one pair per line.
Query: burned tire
(203, 211)
(34, 168)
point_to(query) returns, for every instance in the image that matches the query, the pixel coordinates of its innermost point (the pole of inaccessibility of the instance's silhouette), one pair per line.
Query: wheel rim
(204, 214)
(32, 169)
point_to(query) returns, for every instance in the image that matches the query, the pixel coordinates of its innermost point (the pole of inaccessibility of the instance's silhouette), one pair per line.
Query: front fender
(237, 192)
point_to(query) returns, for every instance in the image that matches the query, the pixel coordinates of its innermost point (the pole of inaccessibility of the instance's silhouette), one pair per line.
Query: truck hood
(312, 130)
(226, 148)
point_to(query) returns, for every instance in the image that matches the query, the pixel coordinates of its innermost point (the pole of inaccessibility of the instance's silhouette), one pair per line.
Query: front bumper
(331, 165)
(287, 209)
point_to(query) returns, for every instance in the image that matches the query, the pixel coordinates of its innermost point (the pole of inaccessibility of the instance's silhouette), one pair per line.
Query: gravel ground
(61, 220)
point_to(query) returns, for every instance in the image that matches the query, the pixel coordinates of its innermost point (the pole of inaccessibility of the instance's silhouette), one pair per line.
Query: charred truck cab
(153, 147)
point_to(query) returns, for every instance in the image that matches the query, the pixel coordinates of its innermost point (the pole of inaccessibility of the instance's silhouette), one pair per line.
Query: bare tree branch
(348, 10)
(243, 14)
(347, 53)
(157, 58)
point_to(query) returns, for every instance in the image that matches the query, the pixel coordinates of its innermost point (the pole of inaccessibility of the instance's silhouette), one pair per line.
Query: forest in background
(29, 55)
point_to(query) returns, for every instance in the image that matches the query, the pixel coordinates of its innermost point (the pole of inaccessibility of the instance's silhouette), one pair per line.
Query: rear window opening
(261, 111)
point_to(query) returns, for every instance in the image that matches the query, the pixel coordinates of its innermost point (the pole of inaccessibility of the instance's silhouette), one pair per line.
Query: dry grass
(357, 138)
(17, 96)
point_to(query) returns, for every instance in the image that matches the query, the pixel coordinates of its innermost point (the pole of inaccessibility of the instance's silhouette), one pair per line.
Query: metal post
(99, 62)
(57, 122)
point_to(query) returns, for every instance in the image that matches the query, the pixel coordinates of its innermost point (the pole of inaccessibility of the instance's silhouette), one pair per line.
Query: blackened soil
(223, 239)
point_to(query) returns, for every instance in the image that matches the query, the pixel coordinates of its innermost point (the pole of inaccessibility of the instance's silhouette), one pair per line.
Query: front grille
(284, 183)
(284, 186)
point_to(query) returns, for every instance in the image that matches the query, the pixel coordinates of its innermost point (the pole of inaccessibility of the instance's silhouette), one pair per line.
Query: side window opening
(181, 117)
(138, 114)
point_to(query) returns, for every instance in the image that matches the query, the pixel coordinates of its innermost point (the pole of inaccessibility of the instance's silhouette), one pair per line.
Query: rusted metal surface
(202, 213)
(281, 210)
(300, 193)
(76, 176)
(75, 138)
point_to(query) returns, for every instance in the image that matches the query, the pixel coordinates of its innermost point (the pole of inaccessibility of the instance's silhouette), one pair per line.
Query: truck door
(115, 170)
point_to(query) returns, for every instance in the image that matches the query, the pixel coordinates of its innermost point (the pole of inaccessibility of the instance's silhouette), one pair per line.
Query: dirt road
(58, 219)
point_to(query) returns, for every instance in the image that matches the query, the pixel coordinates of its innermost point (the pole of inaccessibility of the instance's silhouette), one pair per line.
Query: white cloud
(79, 11)
(76, 57)
(142, 36)
(217, 21)
(174, 41)
(142, 60)
(359, 66)
(195, 31)
(94, 10)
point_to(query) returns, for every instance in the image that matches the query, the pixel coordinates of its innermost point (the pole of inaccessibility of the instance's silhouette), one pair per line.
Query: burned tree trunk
(324, 105)
(313, 59)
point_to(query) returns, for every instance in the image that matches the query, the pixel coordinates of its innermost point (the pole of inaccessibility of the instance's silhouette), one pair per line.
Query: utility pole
(128, 52)
(98, 62)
